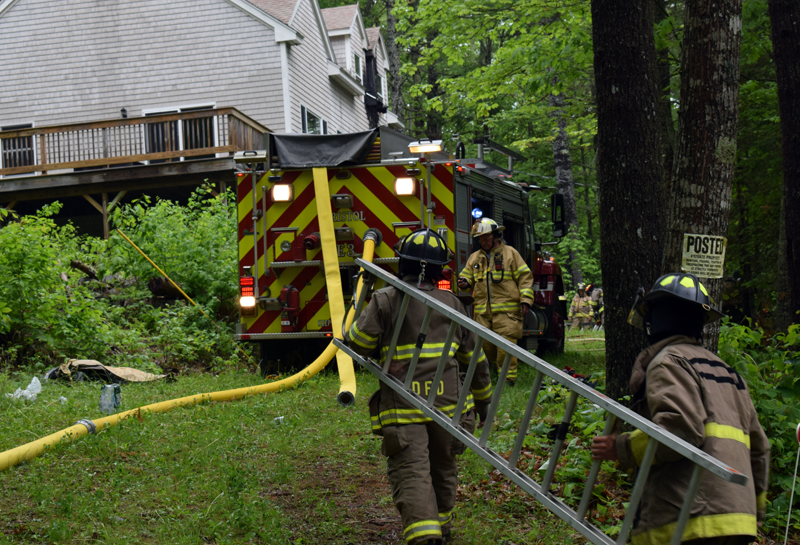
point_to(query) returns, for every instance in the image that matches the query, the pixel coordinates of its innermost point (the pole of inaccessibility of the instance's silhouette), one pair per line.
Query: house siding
(310, 85)
(68, 61)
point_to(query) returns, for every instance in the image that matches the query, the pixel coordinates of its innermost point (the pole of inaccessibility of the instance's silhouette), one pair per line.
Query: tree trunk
(783, 310)
(628, 173)
(565, 183)
(705, 151)
(396, 101)
(665, 103)
(785, 19)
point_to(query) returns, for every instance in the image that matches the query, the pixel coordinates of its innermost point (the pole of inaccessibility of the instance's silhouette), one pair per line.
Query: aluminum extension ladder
(540, 491)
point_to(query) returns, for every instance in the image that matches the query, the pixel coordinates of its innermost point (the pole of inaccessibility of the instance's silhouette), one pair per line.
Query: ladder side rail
(621, 412)
(496, 395)
(465, 390)
(437, 378)
(638, 490)
(526, 419)
(412, 367)
(561, 436)
(396, 334)
(558, 507)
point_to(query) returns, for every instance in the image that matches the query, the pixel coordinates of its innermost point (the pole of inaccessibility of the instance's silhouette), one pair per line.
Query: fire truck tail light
(247, 295)
(247, 301)
(405, 186)
(443, 285)
(282, 193)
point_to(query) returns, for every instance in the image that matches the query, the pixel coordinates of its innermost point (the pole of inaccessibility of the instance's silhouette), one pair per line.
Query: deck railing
(147, 140)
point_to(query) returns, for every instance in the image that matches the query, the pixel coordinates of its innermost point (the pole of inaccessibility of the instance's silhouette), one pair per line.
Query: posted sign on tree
(703, 255)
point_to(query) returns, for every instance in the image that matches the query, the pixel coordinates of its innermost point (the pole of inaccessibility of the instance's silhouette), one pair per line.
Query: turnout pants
(422, 470)
(508, 325)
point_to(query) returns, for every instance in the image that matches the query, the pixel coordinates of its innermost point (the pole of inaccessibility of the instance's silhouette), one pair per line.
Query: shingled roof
(280, 9)
(373, 34)
(339, 18)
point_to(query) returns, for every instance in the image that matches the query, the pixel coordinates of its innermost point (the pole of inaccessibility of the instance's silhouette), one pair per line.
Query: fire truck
(379, 184)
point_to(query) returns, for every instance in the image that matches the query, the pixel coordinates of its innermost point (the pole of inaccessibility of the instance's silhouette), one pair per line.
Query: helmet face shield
(638, 310)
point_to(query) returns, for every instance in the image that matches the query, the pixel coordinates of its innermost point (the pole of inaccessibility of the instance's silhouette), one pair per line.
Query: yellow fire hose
(28, 451)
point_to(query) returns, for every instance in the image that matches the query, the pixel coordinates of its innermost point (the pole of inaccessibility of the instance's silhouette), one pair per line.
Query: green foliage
(195, 245)
(771, 368)
(44, 312)
(50, 312)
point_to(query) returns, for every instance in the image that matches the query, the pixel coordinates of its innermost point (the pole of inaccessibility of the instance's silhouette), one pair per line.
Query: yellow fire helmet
(485, 226)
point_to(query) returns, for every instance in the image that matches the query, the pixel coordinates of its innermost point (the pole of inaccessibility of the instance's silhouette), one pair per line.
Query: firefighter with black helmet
(690, 392)
(502, 285)
(421, 455)
(580, 310)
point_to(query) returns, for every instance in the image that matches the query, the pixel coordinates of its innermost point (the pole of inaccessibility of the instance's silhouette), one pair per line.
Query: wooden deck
(121, 155)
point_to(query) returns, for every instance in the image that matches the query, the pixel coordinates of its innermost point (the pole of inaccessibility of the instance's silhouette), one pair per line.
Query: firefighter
(502, 285)
(690, 392)
(580, 310)
(598, 306)
(421, 455)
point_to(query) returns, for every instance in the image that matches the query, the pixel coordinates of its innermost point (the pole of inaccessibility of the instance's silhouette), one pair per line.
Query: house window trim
(179, 109)
(323, 123)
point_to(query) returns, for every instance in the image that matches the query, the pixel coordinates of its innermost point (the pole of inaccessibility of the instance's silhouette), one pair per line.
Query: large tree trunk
(628, 173)
(396, 101)
(565, 183)
(665, 103)
(705, 152)
(785, 19)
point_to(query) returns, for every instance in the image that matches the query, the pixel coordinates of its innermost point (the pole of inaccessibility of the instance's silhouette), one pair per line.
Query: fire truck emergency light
(425, 146)
(282, 193)
(405, 186)
(247, 292)
(477, 213)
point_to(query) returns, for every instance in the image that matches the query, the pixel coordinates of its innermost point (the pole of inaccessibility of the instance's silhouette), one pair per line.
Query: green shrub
(771, 368)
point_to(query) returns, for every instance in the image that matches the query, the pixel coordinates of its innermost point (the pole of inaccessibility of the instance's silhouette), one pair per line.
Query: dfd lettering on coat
(415, 387)
(704, 245)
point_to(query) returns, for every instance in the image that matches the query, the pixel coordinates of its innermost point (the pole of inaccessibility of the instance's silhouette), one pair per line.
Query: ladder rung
(473, 366)
(526, 419)
(588, 489)
(396, 333)
(562, 434)
(638, 490)
(498, 391)
(442, 362)
(412, 367)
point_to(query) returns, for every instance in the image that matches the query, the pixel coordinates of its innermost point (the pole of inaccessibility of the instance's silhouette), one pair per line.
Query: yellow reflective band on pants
(727, 524)
(423, 528)
(392, 417)
(445, 518)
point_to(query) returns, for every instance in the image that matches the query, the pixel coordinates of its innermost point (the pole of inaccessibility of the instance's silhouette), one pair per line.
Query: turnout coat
(690, 392)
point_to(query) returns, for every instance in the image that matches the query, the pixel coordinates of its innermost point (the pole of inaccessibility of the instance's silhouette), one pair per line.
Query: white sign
(703, 255)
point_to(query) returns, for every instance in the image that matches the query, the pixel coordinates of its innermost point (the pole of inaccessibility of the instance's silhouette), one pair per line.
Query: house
(125, 86)
(276, 61)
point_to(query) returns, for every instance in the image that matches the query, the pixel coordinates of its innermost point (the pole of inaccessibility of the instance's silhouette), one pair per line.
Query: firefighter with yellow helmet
(690, 392)
(421, 455)
(502, 285)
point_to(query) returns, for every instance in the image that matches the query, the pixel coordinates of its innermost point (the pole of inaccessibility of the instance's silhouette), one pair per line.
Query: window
(18, 151)
(357, 67)
(379, 85)
(312, 123)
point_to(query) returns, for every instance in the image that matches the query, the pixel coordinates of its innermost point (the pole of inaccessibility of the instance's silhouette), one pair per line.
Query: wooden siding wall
(310, 84)
(70, 61)
(337, 42)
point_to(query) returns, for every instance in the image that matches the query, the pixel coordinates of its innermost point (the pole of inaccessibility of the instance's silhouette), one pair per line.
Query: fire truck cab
(303, 188)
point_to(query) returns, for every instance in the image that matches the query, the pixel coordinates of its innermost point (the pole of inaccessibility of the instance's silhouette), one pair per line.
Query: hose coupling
(88, 423)
(373, 234)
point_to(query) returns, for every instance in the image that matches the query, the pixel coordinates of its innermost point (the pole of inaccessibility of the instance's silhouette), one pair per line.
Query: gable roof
(280, 9)
(375, 39)
(340, 18)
